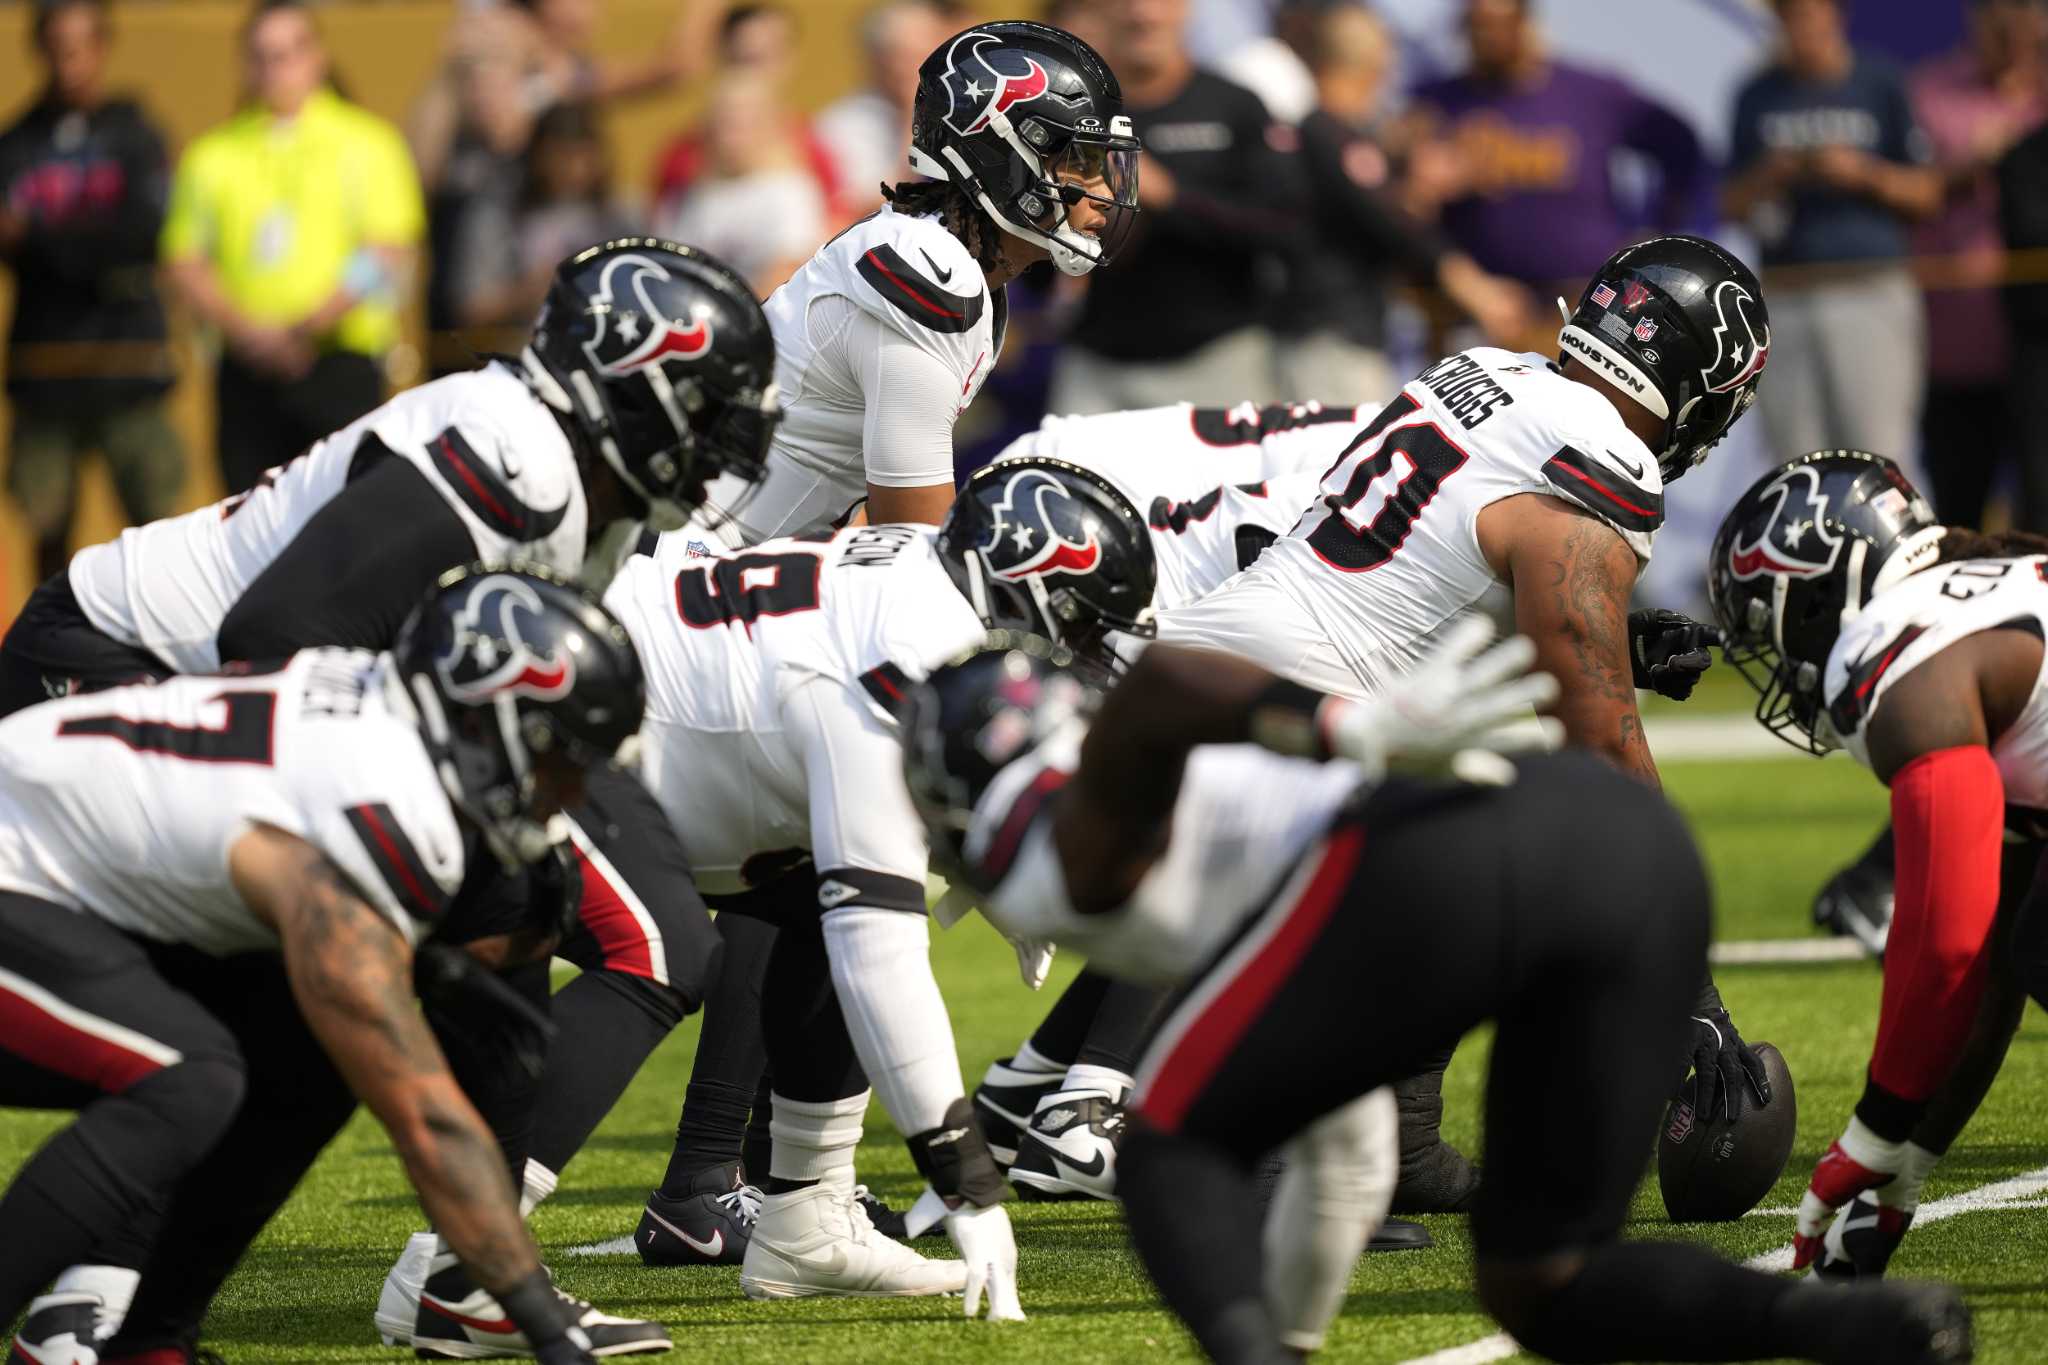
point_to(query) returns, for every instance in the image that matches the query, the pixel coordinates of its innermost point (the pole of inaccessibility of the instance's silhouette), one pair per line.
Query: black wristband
(1284, 717)
(955, 1158)
(536, 1308)
(1891, 1117)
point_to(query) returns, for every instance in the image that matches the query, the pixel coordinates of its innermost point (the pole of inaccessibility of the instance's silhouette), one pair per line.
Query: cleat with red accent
(59, 1330)
(1861, 1241)
(459, 1321)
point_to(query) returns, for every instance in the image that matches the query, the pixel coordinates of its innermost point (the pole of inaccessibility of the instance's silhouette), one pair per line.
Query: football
(1714, 1172)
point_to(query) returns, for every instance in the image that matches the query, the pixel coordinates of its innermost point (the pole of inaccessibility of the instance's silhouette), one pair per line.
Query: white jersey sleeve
(1242, 819)
(1916, 619)
(885, 310)
(1387, 553)
(97, 807)
(493, 452)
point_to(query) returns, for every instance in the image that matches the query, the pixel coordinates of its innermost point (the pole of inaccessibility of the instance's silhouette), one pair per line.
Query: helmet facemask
(1054, 171)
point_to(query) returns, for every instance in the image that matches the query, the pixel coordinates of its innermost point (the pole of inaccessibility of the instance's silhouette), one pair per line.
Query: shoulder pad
(1626, 493)
(915, 271)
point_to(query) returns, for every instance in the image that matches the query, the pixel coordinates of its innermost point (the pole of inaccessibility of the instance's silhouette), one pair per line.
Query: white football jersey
(1920, 616)
(726, 641)
(1387, 554)
(917, 281)
(1241, 823)
(491, 449)
(124, 804)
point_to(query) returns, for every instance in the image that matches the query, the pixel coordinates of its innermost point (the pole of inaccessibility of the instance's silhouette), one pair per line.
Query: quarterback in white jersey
(1918, 649)
(771, 742)
(206, 974)
(886, 334)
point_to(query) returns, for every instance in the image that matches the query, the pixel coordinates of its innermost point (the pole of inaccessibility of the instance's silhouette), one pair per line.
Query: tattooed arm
(1572, 578)
(351, 973)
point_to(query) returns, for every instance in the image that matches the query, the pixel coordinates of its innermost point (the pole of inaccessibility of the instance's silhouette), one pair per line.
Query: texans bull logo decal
(1795, 541)
(983, 77)
(632, 331)
(1740, 346)
(492, 655)
(1040, 542)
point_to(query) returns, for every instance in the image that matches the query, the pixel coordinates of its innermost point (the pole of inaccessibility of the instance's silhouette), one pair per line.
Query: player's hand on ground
(1856, 1161)
(1728, 1071)
(1034, 960)
(1457, 700)
(986, 1244)
(1668, 651)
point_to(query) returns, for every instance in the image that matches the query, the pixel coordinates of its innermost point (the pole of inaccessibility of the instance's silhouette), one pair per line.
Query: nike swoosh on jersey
(714, 1247)
(943, 276)
(1634, 471)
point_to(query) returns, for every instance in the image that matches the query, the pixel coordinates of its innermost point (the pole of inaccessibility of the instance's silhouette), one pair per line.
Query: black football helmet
(657, 357)
(502, 665)
(970, 720)
(1046, 547)
(1801, 553)
(1679, 325)
(1029, 121)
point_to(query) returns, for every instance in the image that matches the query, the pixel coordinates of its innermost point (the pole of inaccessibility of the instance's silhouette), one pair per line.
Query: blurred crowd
(1315, 212)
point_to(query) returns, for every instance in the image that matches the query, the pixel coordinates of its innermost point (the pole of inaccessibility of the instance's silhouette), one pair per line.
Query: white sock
(1029, 1058)
(1335, 1191)
(1082, 1076)
(1903, 1191)
(815, 1140)
(114, 1284)
(882, 971)
(540, 1182)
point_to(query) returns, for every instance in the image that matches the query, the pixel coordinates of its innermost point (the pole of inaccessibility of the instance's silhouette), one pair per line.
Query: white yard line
(617, 1246)
(2019, 1192)
(1775, 951)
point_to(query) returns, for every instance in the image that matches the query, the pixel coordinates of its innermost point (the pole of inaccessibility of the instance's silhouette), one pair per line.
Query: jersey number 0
(1387, 478)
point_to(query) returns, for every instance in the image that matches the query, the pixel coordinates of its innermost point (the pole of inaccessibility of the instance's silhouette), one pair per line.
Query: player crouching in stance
(1917, 648)
(213, 982)
(1152, 836)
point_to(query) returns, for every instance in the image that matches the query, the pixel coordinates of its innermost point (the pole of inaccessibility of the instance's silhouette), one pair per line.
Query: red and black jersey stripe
(487, 495)
(1602, 491)
(916, 295)
(397, 861)
(888, 685)
(1853, 705)
(1017, 820)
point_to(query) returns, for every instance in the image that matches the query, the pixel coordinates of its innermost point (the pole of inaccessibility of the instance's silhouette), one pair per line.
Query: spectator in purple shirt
(1537, 141)
(1975, 103)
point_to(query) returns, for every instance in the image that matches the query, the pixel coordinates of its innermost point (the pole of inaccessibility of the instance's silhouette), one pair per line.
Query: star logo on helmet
(493, 654)
(1014, 77)
(621, 344)
(1038, 495)
(1741, 344)
(1799, 508)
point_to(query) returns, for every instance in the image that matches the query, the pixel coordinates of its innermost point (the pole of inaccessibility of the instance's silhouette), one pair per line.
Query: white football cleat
(818, 1242)
(1069, 1151)
(459, 1320)
(60, 1329)
(398, 1302)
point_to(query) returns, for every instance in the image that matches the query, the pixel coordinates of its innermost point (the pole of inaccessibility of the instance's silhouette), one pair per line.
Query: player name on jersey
(1468, 392)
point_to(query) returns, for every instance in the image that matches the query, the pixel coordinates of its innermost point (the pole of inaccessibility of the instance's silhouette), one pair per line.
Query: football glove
(1668, 651)
(1447, 716)
(1856, 1161)
(985, 1242)
(1723, 1064)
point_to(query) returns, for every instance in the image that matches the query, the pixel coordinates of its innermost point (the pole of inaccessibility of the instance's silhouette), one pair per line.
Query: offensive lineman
(1153, 835)
(771, 743)
(1525, 490)
(207, 981)
(649, 372)
(1866, 626)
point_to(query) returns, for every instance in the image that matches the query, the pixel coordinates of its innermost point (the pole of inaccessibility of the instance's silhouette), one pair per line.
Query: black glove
(1668, 651)
(1723, 1063)
(554, 888)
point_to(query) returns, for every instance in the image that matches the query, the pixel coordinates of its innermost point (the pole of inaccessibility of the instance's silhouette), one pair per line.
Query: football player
(214, 983)
(1152, 835)
(882, 339)
(1527, 490)
(770, 742)
(1918, 649)
(649, 371)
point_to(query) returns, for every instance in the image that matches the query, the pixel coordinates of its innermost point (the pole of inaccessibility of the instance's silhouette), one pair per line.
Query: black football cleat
(708, 1224)
(459, 1320)
(60, 1329)
(1860, 1242)
(1398, 1234)
(1004, 1103)
(1069, 1151)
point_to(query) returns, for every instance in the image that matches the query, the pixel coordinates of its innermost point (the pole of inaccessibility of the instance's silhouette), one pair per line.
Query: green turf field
(1771, 830)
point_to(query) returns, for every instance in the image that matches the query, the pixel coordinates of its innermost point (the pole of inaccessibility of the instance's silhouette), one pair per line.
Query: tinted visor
(1097, 180)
